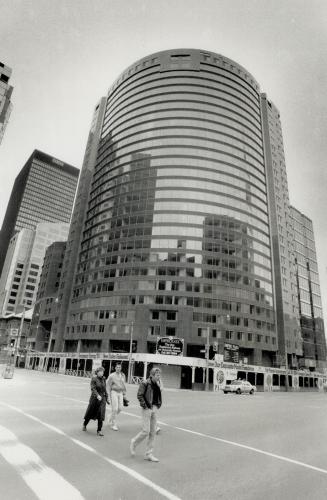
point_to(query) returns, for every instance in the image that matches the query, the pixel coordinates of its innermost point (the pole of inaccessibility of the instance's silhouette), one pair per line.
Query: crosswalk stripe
(139, 477)
(45, 482)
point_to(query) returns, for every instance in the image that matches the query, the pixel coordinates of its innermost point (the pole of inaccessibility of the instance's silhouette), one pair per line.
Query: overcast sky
(65, 54)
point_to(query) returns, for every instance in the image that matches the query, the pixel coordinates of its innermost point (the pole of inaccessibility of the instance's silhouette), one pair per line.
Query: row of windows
(49, 199)
(204, 79)
(143, 132)
(188, 176)
(43, 170)
(129, 192)
(218, 196)
(191, 207)
(212, 225)
(219, 123)
(144, 166)
(165, 94)
(183, 147)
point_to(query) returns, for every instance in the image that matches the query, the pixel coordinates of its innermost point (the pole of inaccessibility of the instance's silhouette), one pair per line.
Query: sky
(65, 54)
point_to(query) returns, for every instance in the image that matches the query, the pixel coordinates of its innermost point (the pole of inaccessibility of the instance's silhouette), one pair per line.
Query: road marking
(139, 477)
(44, 481)
(221, 440)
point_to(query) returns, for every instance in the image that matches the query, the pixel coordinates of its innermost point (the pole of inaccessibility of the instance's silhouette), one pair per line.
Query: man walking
(149, 396)
(116, 391)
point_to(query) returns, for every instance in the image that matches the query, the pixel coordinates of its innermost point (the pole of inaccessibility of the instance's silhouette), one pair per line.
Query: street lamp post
(130, 353)
(20, 331)
(207, 358)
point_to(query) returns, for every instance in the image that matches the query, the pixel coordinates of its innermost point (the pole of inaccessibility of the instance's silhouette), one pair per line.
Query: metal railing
(137, 380)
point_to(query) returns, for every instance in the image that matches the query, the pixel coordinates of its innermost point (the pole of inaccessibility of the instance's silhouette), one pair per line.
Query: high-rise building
(76, 226)
(185, 229)
(5, 96)
(22, 269)
(308, 292)
(43, 191)
(282, 239)
(176, 237)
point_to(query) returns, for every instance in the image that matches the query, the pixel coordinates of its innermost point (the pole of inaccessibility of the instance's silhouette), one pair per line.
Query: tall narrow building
(308, 292)
(5, 97)
(282, 239)
(76, 228)
(43, 191)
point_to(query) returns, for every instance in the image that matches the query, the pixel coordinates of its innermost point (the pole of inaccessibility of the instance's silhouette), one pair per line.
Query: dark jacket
(97, 409)
(145, 394)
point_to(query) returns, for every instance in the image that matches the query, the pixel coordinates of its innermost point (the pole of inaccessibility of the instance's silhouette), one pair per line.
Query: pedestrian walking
(149, 396)
(96, 409)
(117, 391)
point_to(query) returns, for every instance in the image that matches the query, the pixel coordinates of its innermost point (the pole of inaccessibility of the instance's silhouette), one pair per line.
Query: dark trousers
(86, 421)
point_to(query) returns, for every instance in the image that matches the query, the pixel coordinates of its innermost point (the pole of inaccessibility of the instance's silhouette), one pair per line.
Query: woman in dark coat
(96, 409)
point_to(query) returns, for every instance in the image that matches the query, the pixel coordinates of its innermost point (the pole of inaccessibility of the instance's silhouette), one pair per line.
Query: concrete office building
(5, 97)
(176, 237)
(47, 298)
(43, 191)
(22, 269)
(308, 292)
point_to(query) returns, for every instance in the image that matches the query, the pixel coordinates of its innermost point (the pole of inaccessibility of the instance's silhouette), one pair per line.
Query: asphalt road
(212, 446)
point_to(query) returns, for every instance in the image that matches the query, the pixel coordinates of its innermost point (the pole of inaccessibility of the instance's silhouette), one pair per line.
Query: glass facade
(309, 297)
(176, 238)
(43, 191)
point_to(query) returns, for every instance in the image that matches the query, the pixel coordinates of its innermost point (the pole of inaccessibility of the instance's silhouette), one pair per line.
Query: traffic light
(215, 347)
(12, 343)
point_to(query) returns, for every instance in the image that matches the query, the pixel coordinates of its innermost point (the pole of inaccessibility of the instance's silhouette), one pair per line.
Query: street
(211, 446)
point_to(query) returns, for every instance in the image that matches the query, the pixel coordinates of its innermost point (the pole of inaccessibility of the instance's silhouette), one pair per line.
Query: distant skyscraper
(5, 96)
(308, 292)
(23, 265)
(43, 191)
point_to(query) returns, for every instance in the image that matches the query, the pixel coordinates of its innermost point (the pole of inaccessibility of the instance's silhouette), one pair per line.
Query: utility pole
(130, 353)
(20, 331)
(207, 358)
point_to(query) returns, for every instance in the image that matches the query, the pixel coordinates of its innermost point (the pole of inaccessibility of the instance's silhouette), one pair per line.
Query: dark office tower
(76, 226)
(5, 96)
(43, 191)
(282, 238)
(176, 236)
(308, 293)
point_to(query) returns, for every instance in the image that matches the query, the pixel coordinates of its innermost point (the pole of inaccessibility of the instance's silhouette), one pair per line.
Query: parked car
(240, 387)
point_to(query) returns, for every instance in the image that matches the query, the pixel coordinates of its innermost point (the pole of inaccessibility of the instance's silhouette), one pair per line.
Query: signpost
(172, 346)
(231, 353)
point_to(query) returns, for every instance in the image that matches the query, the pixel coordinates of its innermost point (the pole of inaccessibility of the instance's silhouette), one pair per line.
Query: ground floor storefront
(179, 372)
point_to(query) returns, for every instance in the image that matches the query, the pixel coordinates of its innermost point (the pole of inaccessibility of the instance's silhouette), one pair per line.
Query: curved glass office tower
(176, 236)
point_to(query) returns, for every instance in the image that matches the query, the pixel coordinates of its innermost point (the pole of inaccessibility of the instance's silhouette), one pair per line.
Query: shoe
(99, 433)
(84, 428)
(158, 429)
(151, 458)
(114, 427)
(132, 448)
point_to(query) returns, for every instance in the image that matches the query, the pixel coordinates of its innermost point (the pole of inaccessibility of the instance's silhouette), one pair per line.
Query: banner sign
(172, 346)
(231, 353)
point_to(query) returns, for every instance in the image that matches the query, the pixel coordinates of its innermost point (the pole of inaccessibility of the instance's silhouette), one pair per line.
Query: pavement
(270, 446)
